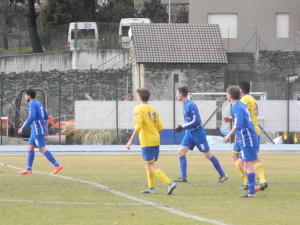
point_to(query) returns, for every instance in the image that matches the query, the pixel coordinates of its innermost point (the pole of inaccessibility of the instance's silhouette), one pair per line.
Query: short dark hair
(144, 94)
(31, 93)
(234, 92)
(183, 90)
(244, 86)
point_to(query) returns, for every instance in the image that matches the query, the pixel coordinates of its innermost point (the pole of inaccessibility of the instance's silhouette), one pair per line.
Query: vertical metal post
(169, 11)
(1, 105)
(117, 109)
(59, 104)
(288, 108)
(175, 80)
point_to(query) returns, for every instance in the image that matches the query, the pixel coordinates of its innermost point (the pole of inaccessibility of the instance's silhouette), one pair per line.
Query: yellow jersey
(250, 102)
(148, 124)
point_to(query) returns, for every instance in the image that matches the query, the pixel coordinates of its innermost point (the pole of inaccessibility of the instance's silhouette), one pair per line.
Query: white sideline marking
(70, 203)
(133, 198)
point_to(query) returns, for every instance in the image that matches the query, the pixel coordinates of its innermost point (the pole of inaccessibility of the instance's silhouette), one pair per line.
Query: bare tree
(32, 28)
(7, 13)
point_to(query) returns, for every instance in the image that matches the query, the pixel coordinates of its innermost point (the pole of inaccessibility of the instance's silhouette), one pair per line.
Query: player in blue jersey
(195, 135)
(37, 116)
(245, 136)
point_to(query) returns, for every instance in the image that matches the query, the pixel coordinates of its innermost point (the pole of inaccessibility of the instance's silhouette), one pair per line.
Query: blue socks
(251, 182)
(30, 159)
(217, 165)
(50, 157)
(182, 164)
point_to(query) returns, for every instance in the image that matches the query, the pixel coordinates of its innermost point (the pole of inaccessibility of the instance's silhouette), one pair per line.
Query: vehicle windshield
(83, 34)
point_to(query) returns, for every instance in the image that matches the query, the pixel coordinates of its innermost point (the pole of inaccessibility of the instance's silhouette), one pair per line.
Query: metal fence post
(1, 106)
(59, 104)
(175, 80)
(117, 107)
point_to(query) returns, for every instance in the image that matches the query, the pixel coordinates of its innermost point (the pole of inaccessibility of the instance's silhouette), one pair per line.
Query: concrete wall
(253, 16)
(62, 61)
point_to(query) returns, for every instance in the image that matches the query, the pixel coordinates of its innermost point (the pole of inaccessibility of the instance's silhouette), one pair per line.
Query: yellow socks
(260, 172)
(150, 178)
(161, 176)
(241, 171)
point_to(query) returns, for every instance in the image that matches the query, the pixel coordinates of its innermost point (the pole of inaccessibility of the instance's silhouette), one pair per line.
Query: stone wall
(74, 84)
(199, 78)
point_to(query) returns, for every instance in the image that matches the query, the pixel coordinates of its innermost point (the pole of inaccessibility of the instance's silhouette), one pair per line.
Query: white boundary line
(69, 203)
(130, 197)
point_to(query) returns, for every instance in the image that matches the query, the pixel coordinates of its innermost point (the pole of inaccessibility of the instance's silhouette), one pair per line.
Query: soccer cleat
(263, 185)
(57, 169)
(244, 187)
(171, 188)
(183, 180)
(25, 172)
(149, 191)
(222, 179)
(248, 195)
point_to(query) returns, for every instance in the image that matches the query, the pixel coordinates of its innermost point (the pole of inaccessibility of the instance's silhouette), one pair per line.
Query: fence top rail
(263, 95)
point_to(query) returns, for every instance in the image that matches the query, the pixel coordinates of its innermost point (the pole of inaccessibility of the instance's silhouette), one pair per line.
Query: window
(282, 25)
(84, 34)
(227, 23)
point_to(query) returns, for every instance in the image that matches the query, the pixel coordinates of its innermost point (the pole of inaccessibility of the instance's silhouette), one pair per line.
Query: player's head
(233, 93)
(182, 93)
(245, 87)
(143, 94)
(30, 94)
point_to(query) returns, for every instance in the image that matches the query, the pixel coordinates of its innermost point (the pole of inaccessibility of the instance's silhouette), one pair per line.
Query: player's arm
(195, 118)
(138, 120)
(237, 124)
(31, 116)
(159, 124)
(46, 115)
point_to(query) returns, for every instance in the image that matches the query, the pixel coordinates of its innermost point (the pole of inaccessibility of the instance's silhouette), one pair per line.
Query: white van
(125, 26)
(86, 33)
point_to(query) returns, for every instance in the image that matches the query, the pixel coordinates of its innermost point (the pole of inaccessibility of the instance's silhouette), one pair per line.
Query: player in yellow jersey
(147, 126)
(251, 104)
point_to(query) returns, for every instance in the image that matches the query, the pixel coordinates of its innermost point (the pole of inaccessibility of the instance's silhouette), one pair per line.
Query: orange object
(23, 172)
(57, 169)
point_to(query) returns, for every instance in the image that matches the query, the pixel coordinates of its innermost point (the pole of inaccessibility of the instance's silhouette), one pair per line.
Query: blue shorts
(150, 153)
(37, 141)
(248, 154)
(238, 146)
(195, 138)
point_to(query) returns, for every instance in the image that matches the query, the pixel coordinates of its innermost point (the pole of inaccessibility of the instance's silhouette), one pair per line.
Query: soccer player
(147, 126)
(245, 136)
(195, 135)
(251, 105)
(36, 120)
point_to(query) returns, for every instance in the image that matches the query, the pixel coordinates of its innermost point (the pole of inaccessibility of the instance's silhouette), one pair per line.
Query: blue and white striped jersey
(242, 123)
(191, 116)
(36, 118)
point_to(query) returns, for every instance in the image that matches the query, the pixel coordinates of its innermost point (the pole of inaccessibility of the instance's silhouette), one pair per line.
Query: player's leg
(186, 145)
(259, 169)
(182, 163)
(249, 156)
(30, 156)
(202, 145)
(239, 165)
(41, 144)
(150, 155)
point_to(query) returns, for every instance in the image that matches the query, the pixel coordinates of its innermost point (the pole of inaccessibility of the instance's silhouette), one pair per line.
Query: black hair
(183, 90)
(244, 86)
(31, 93)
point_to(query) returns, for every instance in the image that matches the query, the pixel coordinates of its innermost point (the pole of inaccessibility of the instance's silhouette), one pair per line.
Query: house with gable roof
(161, 52)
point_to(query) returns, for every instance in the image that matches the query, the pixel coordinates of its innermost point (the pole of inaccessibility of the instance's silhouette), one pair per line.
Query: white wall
(62, 61)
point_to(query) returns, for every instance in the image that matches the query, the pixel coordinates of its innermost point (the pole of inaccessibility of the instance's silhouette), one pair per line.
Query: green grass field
(40, 199)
